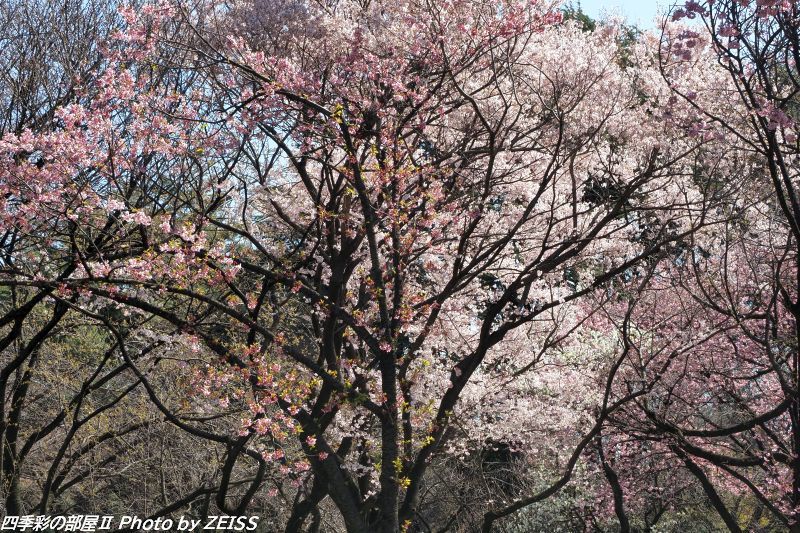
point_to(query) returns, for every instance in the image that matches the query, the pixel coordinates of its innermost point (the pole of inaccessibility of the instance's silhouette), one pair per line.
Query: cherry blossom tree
(76, 420)
(712, 336)
(755, 45)
(367, 230)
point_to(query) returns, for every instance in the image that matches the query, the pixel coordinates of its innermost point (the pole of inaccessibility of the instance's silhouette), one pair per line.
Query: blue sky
(639, 12)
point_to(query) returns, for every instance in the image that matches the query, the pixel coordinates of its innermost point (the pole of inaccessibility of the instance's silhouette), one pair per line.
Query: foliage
(402, 266)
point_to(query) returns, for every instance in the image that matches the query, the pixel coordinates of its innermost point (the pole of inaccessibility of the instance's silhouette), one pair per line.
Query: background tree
(717, 347)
